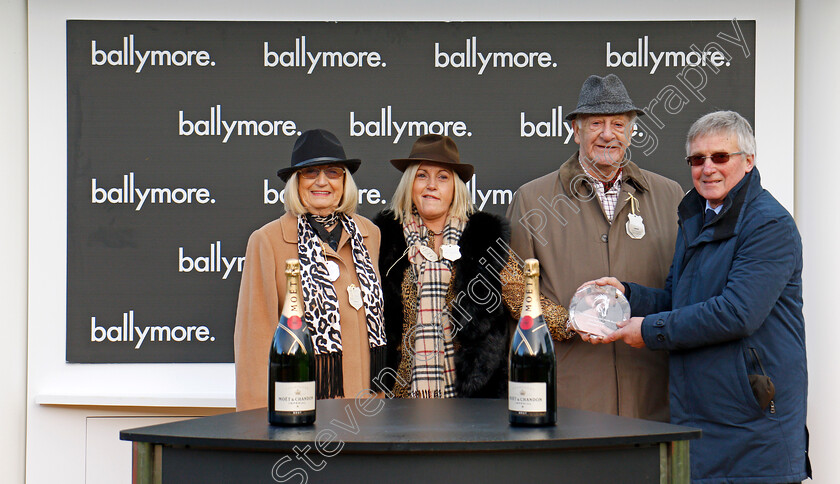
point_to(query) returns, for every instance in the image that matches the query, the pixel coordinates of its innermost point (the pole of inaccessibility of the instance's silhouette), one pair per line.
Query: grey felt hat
(603, 95)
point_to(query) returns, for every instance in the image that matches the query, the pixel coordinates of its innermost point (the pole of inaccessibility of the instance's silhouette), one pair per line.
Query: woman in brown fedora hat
(446, 272)
(338, 252)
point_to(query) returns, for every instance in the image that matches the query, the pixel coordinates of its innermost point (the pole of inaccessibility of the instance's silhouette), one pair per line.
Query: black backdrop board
(176, 131)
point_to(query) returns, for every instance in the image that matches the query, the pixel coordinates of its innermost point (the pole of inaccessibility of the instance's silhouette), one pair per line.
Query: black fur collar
(481, 319)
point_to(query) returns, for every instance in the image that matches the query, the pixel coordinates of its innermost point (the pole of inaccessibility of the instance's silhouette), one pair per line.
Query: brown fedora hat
(435, 148)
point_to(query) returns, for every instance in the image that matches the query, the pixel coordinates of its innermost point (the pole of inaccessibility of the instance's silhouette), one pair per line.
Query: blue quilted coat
(731, 308)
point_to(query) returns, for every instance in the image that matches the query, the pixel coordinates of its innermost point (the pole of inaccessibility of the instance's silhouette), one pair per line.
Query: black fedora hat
(603, 95)
(317, 147)
(439, 149)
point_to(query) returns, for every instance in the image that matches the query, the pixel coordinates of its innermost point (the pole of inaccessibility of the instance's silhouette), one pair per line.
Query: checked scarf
(433, 371)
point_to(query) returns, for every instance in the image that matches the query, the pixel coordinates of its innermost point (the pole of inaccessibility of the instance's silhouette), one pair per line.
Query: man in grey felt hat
(599, 213)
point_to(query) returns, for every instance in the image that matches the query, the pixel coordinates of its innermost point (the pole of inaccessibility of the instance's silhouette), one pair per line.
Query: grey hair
(631, 119)
(723, 122)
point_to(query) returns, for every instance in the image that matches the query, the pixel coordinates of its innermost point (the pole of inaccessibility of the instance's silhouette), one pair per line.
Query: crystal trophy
(595, 310)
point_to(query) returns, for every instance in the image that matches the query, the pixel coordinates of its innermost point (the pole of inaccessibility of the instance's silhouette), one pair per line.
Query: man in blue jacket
(731, 316)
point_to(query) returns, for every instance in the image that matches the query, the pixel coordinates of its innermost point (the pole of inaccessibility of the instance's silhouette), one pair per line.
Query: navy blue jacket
(732, 307)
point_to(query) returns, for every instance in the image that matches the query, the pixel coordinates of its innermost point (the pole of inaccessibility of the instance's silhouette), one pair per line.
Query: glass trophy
(595, 310)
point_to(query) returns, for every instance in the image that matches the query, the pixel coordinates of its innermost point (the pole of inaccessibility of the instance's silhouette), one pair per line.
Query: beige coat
(261, 300)
(573, 240)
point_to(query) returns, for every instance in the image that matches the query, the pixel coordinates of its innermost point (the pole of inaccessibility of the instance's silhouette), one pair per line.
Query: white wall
(51, 380)
(817, 107)
(13, 219)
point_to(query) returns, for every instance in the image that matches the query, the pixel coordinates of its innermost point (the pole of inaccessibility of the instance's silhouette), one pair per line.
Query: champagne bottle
(532, 397)
(291, 361)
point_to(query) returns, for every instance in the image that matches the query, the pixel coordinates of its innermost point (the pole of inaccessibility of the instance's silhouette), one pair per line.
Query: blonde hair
(403, 205)
(347, 204)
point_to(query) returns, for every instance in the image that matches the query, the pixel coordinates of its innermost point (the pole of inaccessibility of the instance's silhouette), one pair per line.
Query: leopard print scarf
(321, 311)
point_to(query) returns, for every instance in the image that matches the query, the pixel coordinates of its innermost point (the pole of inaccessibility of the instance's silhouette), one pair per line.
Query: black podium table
(429, 441)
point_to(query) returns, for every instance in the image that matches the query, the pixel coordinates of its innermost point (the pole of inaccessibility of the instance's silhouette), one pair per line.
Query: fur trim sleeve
(392, 267)
(483, 321)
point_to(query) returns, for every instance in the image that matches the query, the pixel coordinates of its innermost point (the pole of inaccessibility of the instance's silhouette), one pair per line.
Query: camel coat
(261, 300)
(560, 221)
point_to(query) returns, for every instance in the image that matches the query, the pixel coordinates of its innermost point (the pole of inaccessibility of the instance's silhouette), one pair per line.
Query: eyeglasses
(717, 158)
(332, 172)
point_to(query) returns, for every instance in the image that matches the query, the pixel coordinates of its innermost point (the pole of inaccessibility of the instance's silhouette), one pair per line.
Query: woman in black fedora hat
(434, 246)
(338, 252)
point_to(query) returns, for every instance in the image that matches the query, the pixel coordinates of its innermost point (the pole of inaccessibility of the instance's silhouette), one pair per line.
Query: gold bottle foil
(531, 299)
(293, 305)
